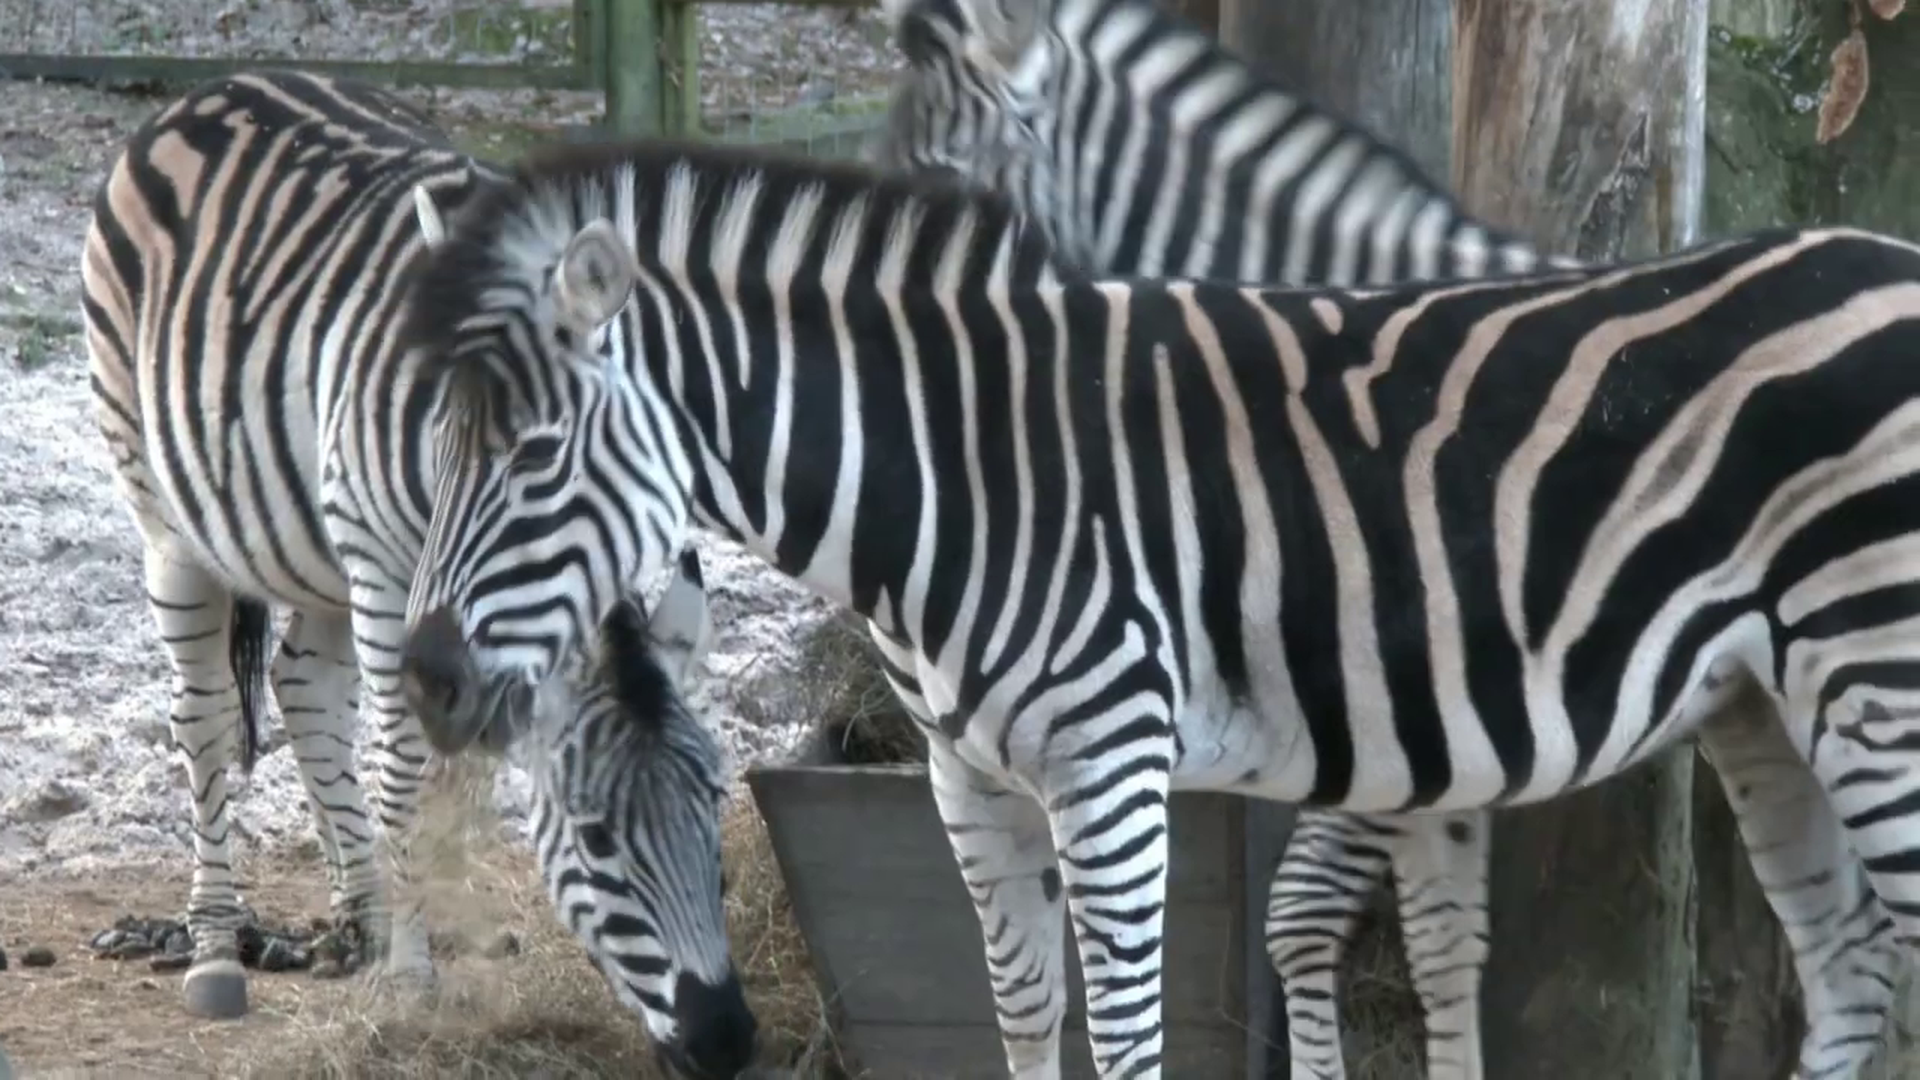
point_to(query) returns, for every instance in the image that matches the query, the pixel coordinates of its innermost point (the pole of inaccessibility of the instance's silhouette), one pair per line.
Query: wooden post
(680, 82)
(632, 66)
(1583, 128)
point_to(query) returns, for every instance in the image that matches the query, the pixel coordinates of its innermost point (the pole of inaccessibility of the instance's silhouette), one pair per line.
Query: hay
(840, 686)
(1383, 1030)
(545, 1011)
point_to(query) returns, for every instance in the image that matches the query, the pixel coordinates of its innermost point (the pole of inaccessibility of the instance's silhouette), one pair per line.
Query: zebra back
(1144, 148)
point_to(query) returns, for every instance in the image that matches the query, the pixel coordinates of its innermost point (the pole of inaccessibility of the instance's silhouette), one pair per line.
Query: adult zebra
(637, 339)
(1145, 149)
(242, 280)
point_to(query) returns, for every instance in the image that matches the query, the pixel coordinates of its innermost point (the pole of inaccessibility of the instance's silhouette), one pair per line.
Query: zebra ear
(682, 625)
(432, 226)
(596, 274)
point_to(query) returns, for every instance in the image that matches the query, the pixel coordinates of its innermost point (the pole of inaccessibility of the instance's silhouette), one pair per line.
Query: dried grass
(544, 1012)
(840, 686)
(1383, 1030)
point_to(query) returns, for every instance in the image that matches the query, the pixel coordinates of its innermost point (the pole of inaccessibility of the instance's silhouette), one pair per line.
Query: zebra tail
(247, 647)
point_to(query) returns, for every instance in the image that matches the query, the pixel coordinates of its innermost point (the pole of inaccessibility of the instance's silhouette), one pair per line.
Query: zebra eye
(535, 452)
(596, 839)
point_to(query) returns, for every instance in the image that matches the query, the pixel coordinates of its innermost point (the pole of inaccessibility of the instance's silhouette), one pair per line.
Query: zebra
(1291, 545)
(625, 820)
(242, 282)
(1134, 138)
(1088, 113)
(1142, 147)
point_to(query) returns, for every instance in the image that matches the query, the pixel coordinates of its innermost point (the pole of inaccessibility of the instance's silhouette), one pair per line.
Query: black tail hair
(249, 642)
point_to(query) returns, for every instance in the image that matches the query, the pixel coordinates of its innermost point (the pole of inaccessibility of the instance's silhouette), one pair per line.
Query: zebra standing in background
(625, 820)
(1143, 148)
(242, 284)
(1141, 537)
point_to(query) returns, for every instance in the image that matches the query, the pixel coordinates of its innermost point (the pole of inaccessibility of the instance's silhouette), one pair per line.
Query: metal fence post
(632, 65)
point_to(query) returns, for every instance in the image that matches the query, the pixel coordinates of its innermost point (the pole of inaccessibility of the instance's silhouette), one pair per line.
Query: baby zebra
(627, 793)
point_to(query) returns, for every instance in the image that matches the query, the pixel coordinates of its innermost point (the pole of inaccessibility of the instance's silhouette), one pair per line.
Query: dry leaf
(1846, 90)
(1887, 9)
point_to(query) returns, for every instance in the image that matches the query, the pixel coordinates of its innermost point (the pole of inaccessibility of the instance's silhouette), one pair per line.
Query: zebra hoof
(217, 990)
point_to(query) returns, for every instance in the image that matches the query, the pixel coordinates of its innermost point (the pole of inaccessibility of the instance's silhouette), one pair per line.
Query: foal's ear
(596, 274)
(682, 624)
(433, 226)
(623, 630)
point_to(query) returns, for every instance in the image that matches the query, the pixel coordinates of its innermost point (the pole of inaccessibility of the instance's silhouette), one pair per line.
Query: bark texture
(1581, 126)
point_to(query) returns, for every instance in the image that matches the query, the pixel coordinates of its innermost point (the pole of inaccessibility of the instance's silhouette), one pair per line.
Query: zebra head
(627, 792)
(976, 102)
(559, 477)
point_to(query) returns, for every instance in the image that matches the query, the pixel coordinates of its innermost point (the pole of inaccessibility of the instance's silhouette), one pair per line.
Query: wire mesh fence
(814, 78)
(810, 74)
(531, 43)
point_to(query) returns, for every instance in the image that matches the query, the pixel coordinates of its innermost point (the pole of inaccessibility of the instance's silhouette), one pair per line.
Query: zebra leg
(1006, 855)
(316, 679)
(1110, 834)
(1844, 951)
(399, 762)
(193, 613)
(1440, 867)
(1332, 864)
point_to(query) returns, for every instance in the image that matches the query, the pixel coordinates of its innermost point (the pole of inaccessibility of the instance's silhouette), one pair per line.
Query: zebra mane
(496, 260)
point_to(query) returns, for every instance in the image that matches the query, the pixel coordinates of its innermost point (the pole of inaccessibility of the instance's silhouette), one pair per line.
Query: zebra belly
(1263, 748)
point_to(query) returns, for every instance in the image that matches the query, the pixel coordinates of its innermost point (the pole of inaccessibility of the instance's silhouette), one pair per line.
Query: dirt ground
(535, 1009)
(84, 1014)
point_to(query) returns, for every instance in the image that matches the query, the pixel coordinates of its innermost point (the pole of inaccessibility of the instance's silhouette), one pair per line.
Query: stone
(502, 944)
(49, 801)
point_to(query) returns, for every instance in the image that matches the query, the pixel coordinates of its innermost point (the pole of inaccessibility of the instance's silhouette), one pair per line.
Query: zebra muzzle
(441, 683)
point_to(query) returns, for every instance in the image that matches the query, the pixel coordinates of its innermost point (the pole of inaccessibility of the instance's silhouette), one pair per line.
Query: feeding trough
(896, 947)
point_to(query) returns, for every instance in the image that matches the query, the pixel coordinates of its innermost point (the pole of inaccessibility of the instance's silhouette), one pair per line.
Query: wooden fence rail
(642, 55)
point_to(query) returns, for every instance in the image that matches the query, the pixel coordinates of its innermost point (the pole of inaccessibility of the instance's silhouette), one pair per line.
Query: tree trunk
(1582, 126)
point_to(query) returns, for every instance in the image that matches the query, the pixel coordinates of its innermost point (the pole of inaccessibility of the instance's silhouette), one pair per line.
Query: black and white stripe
(1146, 149)
(1421, 548)
(627, 788)
(243, 279)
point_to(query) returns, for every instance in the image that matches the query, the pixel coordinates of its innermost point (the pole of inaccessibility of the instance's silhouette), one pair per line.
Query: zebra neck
(1194, 164)
(886, 439)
